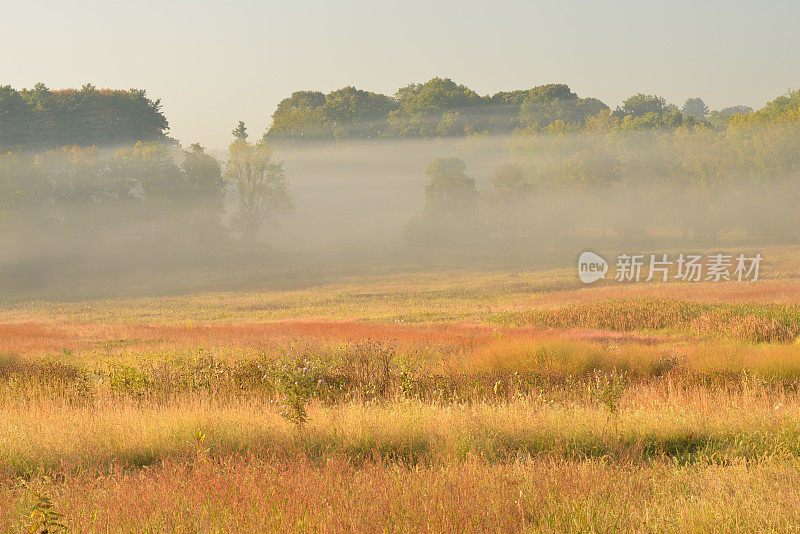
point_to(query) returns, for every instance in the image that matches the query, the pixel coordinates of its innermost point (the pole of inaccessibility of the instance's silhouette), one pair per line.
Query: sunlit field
(442, 399)
(424, 267)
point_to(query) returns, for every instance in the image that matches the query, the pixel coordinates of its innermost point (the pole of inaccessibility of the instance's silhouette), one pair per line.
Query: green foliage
(548, 104)
(695, 107)
(346, 113)
(240, 132)
(436, 95)
(297, 382)
(44, 518)
(260, 185)
(735, 172)
(300, 117)
(161, 195)
(42, 119)
(451, 192)
(783, 108)
(435, 107)
(127, 380)
(450, 202)
(608, 387)
(640, 105)
(719, 119)
(439, 107)
(204, 192)
(352, 113)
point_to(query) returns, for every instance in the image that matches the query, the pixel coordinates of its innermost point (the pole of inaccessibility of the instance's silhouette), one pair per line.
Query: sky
(213, 63)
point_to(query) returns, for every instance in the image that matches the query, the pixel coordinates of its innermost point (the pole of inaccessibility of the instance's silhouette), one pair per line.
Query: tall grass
(171, 414)
(247, 494)
(755, 322)
(682, 424)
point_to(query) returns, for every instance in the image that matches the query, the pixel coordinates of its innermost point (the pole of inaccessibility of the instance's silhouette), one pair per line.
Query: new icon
(591, 267)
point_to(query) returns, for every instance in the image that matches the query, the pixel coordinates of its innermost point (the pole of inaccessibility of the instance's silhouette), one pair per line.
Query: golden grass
(245, 494)
(697, 360)
(653, 421)
(450, 401)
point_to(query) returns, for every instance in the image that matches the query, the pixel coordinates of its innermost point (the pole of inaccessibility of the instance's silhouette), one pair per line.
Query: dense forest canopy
(441, 107)
(41, 119)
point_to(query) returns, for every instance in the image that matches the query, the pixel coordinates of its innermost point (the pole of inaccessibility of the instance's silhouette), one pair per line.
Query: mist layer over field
(77, 220)
(362, 195)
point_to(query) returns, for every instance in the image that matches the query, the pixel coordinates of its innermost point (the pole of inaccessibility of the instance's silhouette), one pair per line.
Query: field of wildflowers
(464, 401)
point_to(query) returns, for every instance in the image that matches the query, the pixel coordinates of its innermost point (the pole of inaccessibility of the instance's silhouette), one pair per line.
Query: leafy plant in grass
(201, 449)
(297, 383)
(126, 379)
(607, 387)
(45, 519)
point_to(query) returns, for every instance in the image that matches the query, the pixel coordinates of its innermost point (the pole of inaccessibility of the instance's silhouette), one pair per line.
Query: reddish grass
(249, 495)
(38, 338)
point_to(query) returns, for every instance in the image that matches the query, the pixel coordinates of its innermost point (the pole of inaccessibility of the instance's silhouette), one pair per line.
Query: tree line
(42, 119)
(614, 177)
(574, 165)
(150, 199)
(442, 108)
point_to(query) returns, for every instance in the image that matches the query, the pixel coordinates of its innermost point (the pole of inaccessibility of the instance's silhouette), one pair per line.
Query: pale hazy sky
(213, 63)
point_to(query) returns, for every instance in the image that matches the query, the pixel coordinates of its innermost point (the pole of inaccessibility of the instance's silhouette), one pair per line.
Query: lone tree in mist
(508, 198)
(260, 185)
(450, 202)
(451, 194)
(695, 107)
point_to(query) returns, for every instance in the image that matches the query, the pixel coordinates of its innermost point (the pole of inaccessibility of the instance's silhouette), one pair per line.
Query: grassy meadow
(443, 400)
